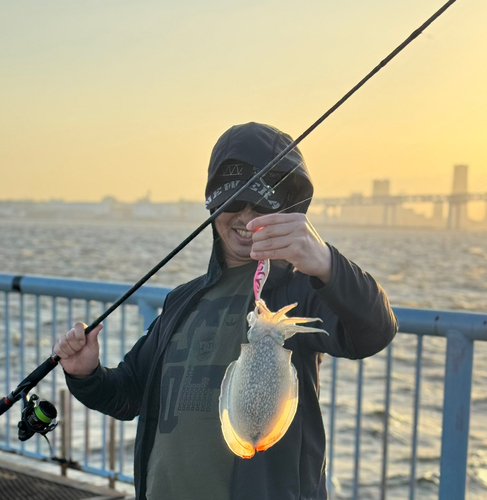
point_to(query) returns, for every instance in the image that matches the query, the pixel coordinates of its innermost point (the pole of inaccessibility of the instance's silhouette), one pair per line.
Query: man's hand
(291, 237)
(79, 353)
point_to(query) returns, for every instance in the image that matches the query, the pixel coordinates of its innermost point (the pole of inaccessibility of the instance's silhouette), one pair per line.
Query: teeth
(244, 234)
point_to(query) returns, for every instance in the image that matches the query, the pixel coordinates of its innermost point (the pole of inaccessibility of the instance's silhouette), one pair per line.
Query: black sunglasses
(239, 206)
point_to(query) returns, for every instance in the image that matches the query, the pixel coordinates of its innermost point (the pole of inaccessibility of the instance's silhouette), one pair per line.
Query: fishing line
(42, 370)
(228, 229)
(295, 205)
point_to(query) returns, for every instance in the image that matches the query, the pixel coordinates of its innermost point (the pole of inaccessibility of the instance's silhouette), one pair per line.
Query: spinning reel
(38, 417)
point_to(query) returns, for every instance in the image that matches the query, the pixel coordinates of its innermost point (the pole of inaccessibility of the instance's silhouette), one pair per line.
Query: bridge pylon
(457, 206)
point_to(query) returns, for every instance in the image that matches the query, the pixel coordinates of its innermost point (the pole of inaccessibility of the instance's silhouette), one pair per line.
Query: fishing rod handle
(6, 403)
(29, 382)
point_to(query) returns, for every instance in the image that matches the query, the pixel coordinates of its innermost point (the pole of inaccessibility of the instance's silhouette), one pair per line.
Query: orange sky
(124, 97)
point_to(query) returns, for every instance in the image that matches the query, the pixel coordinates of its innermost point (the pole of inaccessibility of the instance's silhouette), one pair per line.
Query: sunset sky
(120, 97)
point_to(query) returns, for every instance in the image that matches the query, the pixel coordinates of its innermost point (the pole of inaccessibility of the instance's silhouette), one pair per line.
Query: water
(417, 268)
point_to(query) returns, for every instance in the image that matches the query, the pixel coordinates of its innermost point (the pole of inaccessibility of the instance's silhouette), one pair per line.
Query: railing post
(63, 398)
(149, 313)
(112, 453)
(385, 435)
(331, 437)
(456, 416)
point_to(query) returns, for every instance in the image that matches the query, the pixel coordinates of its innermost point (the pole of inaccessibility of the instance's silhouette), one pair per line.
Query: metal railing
(38, 309)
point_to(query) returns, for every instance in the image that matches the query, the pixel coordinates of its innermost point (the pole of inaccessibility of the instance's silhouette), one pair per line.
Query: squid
(259, 392)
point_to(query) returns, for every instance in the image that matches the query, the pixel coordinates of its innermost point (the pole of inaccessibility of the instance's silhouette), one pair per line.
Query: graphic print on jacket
(189, 434)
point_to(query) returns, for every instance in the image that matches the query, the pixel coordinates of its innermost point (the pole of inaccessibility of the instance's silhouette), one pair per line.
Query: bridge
(388, 210)
(456, 206)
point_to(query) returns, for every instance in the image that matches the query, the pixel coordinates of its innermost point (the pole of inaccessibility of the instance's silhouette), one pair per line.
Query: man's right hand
(79, 353)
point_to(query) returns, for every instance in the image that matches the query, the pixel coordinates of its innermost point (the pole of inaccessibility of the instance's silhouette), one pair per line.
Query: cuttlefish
(259, 392)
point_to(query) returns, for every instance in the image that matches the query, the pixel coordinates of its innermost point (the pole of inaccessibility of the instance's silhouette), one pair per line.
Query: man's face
(236, 240)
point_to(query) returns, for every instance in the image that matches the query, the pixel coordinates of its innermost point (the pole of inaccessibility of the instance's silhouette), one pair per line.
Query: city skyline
(370, 190)
(457, 209)
(365, 190)
(120, 98)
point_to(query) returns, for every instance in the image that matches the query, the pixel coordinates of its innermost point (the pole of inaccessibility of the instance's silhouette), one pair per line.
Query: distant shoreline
(195, 222)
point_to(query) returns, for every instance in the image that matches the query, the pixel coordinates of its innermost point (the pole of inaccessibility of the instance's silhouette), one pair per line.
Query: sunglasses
(240, 205)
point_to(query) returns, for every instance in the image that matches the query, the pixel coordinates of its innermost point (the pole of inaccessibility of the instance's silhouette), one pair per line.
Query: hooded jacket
(356, 314)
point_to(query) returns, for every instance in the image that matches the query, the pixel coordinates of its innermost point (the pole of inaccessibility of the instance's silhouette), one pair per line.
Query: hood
(255, 145)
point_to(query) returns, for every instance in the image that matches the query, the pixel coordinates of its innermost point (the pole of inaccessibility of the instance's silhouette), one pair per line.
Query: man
(172, 376)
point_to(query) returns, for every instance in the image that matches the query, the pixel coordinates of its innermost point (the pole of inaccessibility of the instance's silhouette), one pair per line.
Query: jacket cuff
(74, 381)
(317, 284)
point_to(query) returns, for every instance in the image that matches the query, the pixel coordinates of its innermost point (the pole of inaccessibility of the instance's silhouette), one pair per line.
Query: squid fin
(286, 417)
(238, 445)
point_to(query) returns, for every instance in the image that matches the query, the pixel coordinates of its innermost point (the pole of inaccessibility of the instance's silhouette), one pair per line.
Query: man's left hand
(291, 237)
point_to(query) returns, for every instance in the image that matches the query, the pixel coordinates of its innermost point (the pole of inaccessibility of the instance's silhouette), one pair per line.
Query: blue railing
(38, 309)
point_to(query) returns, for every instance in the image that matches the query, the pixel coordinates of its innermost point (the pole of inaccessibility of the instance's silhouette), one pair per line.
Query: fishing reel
(38, 417)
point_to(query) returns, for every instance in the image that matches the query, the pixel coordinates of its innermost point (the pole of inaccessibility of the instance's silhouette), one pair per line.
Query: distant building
(144, 209)
(381, 187)
(193, 210)
(368, 214)
(460, 177)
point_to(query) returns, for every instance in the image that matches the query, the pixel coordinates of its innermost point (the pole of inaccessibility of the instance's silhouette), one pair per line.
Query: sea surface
(417, 268)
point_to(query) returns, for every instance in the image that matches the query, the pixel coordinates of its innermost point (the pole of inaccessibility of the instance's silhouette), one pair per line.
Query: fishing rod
(47, 366)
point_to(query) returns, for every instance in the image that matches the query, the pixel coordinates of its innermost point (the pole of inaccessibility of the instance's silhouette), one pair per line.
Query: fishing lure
(259, 392)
